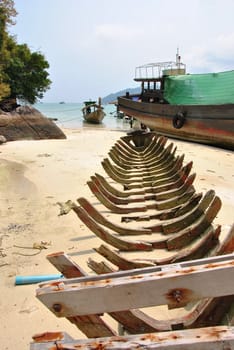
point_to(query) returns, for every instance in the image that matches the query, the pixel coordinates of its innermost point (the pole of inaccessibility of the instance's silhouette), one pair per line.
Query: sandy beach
(34, 177)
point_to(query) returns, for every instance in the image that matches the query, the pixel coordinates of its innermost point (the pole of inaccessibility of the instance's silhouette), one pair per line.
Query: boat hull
(95, 117)
(208, 124)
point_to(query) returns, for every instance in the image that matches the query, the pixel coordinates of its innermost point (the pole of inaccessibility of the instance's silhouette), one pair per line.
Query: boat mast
(178, 59)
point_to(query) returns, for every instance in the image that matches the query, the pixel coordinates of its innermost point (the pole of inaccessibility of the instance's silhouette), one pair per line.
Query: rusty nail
(57, 307)
(177, 295)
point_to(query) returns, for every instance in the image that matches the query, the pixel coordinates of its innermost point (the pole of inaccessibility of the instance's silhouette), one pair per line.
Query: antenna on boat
(178, 58)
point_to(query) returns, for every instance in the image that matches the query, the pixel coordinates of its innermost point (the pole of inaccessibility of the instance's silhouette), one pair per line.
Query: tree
(23, 74)
(7, 12)
(26, 74)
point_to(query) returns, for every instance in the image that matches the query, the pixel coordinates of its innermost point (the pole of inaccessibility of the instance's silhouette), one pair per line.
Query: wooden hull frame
(187, 230)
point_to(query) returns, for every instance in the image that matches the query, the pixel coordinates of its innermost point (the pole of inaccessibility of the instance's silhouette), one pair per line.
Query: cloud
(225, 45)
(116, 32)
(216, 56)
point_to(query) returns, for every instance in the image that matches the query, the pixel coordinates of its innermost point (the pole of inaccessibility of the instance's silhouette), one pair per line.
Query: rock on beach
(27, 123)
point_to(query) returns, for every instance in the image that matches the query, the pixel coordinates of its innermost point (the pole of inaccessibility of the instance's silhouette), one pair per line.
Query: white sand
(34, 176)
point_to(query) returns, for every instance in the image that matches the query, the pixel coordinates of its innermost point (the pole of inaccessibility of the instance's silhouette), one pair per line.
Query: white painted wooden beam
(174, 285)
(210, 338)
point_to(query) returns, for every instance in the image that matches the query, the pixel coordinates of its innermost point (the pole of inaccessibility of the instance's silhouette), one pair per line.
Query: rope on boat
(66, 120)
(65, 110)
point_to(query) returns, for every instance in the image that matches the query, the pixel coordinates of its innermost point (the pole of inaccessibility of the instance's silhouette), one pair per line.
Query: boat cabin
(90, 106)
(152, 78)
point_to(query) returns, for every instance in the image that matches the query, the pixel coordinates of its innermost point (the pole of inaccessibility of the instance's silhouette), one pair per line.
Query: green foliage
(26, 74)
(4, 90)
(23, 74)
(7, 11)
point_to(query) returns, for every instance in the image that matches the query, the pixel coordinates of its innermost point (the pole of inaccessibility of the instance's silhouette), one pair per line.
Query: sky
(93, 46)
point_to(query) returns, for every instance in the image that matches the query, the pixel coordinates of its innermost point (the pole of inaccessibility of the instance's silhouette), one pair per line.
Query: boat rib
(182, 176)
(142, 198)
(184, 230)
(177, 239)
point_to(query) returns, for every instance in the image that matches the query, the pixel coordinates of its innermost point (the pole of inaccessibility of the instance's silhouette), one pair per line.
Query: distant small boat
(93, 112)
(62, 103)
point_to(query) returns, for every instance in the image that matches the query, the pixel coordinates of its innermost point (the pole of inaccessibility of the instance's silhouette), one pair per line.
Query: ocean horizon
(69, 116)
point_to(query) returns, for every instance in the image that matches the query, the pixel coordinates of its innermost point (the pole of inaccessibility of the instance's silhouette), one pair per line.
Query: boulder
(27, 123)
(2, 139)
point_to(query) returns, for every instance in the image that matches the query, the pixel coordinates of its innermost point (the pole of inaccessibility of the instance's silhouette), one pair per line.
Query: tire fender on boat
(178, 120)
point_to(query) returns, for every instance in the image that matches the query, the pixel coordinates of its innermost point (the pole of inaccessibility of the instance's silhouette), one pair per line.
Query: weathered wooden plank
(141, 198)
(180, 223)
(119, 199)
(227, 246)
(153, 152)
(156, 164)
(107, 294)
(161, 205)
(185, 236)
(90, 325)
(210, 338)
(143, 168)
(151, 190)
(169, 181)
(207, 312)
(177, 165)
(197, 250)
(150, 139)
(134, 321)
(118, 260)
(173, 241)
(111, 239)
(128, 164)
(168, 214)
(115, 199)
(182, 176)
(162, 172)
(99, 218)
(173, 202)
(111, 206)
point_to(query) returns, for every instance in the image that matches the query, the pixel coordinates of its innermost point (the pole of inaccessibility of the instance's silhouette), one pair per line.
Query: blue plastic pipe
(35, 279)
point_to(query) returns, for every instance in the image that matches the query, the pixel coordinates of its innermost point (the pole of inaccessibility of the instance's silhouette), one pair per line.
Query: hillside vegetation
(113, 97)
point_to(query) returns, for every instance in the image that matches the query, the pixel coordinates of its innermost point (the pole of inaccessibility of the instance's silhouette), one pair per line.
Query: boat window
(152, 86)
(158, 85)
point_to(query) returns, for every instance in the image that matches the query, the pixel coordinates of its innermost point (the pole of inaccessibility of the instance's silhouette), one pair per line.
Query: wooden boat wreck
(195, 272)
(93, 112)
(191, 107)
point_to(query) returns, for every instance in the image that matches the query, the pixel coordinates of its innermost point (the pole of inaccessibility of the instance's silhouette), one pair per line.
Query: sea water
(69, 115)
